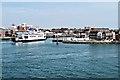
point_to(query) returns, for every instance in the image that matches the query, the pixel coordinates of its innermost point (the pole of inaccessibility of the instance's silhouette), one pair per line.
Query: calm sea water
(46, 59)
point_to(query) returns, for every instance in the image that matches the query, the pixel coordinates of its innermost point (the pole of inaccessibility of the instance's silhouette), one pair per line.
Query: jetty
(92, 42)
(57, 40)
(76, 41)
(6, 38)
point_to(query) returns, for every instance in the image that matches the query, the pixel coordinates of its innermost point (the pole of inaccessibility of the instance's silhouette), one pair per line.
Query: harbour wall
(71, 41)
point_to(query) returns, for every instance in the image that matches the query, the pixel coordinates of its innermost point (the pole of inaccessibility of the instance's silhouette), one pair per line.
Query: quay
(6, 38)
(91, 42)
(57, 40)
(85, 41)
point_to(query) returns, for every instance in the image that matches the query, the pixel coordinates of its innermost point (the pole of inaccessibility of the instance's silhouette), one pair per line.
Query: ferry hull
(13, 39)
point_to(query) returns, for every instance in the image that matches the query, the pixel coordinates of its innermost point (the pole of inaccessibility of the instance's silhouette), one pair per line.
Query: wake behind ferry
(26, 33)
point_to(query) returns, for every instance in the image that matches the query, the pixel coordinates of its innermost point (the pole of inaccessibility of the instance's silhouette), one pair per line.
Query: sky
(60, 0)
(61, 14)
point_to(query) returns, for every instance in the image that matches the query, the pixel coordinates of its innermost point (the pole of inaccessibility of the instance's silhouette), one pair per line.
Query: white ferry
(27, 33)
(29, 36)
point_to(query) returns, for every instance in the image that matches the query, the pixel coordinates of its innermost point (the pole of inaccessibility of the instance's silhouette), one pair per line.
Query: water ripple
(64, 60)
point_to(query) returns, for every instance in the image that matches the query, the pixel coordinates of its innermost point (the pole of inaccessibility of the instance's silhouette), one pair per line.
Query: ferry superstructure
(28, 34)
(29, 37)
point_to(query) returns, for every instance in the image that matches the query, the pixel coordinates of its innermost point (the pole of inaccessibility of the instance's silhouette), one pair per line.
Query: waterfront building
(119, 35)
(93, 34)
(83, 35)
(99, 35)
(114, 37)
(2, 32)
(57, 30)
(7, 33)
(49, 34)
(57, 35)
(108, 35)
(100, 29)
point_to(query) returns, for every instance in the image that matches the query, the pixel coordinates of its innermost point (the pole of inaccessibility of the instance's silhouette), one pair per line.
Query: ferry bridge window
(20, 37)
(25, 36)
(32, 36)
